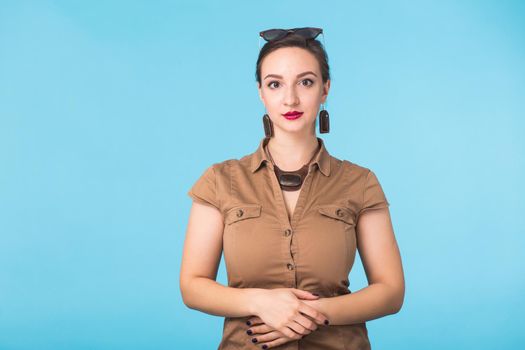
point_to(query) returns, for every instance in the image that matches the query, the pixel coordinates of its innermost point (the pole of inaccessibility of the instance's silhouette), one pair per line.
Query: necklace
(291, 180)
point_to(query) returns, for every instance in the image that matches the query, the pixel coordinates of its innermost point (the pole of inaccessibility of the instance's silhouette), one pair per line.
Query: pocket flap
(242, 212)
(338, 212)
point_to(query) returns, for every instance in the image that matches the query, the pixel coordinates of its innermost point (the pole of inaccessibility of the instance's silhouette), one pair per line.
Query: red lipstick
(291, 115)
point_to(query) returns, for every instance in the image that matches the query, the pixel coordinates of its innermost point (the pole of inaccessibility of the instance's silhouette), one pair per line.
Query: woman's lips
(293, 116)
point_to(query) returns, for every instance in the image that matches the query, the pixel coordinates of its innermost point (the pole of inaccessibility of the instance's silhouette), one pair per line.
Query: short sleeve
(373, 195)
(204, 190)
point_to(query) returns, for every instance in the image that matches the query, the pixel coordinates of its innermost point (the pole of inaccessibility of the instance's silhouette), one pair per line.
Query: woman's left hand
(269, 336)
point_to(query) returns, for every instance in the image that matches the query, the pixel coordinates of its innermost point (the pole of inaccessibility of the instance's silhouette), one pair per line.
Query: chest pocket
(242, 212)
(338, 212)
(337, 223)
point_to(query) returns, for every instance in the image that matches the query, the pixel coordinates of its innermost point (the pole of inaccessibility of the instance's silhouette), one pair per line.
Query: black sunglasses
(276, 34)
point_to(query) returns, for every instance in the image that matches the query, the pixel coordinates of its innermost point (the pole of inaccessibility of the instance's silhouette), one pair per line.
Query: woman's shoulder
(350, 167)
(224, 167)
(355, 167)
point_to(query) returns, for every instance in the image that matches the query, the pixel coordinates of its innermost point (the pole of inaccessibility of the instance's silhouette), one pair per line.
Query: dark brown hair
(292, 40)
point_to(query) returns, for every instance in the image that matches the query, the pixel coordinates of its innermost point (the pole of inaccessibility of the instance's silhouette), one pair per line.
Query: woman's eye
(273, 82)
(310, 80)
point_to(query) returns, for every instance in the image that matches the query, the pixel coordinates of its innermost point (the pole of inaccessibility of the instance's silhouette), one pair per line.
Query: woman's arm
(382, 264)
(200, 262)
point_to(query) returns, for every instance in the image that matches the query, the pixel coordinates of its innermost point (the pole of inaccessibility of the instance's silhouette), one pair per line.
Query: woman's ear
(326, 89)
(260, 91)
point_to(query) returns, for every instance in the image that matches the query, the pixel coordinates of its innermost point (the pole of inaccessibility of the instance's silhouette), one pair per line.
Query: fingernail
(315, 294)
(254, 340)
(249, 331)
(326, 322)
(248, 323)
(265, 346)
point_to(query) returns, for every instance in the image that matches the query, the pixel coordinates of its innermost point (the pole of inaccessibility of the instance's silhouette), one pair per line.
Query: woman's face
(291, 81)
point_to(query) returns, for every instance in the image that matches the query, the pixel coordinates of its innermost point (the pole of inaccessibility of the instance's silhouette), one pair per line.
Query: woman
(289, 218)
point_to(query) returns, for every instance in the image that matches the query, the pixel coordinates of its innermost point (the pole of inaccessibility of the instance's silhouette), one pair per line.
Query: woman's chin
(295, 130)
(297, 125)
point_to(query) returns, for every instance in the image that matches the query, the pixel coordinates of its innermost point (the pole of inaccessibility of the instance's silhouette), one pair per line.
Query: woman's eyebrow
(298, 75)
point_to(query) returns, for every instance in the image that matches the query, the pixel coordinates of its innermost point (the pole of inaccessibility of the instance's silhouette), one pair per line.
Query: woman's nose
(291, 96)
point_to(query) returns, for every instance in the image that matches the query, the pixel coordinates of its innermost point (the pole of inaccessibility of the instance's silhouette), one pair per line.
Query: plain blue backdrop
(110, 110)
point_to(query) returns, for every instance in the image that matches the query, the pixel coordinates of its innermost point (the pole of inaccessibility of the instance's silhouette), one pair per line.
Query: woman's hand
(284, 314)
(262, 334)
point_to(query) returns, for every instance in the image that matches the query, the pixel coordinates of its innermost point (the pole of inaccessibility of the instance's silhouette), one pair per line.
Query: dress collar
(322, 158)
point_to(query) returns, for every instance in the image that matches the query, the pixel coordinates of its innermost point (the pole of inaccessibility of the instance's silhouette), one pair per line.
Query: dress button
(240, 212)
(287, 232)
(290, 266)
(340, 212)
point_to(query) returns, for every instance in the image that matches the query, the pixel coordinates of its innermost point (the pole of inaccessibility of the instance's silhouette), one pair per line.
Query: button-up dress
(312, 250)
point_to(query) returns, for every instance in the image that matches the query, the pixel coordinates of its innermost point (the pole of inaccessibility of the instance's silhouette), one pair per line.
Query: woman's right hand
(283, 310)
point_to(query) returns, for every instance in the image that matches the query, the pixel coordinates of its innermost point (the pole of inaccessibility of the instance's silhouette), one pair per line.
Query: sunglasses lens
(276, 34)
(273, 34)
(309, 33)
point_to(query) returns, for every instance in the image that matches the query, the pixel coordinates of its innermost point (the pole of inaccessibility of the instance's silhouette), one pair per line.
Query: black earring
(324, 122)
(268, 125)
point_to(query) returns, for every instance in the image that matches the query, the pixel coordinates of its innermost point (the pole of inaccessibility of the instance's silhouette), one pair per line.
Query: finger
(318, 317)
(267, 337)
(297, 327)
(261, 329)
(306, 322)
(316, 322)
(303, 294)
(254, 320)
(279, 341)
(289, 332)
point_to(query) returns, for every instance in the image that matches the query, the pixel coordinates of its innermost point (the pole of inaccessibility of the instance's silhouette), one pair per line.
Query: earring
(324, 121)
(268, 125)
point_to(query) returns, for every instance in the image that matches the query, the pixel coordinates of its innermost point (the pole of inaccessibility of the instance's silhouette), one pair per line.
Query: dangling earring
(268, 125)
(324, 121)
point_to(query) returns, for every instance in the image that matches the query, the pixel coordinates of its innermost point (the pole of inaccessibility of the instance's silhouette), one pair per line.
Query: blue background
(110, 110)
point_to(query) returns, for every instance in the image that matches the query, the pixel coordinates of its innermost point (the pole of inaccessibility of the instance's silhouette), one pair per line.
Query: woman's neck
(289, 153)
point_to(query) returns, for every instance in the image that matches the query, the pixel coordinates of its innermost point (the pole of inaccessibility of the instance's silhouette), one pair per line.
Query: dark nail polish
(254, 340)
(265, 346)
(315, 294)
(326, 322)
(248, 323)
(249, 331)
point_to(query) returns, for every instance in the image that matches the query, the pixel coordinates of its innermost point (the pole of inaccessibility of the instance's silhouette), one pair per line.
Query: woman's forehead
(289, 61)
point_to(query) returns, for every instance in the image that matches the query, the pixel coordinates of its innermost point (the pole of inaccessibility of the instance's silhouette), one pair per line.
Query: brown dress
(313, 251)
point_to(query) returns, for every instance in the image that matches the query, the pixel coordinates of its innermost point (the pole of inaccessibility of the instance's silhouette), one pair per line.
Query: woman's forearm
(374, 301)
(371, 302)
(213, 298)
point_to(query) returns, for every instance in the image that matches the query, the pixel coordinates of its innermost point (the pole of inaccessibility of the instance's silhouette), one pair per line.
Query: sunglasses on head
(276, 34)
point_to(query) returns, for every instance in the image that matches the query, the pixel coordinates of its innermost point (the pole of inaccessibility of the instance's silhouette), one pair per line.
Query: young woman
(289, 218)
